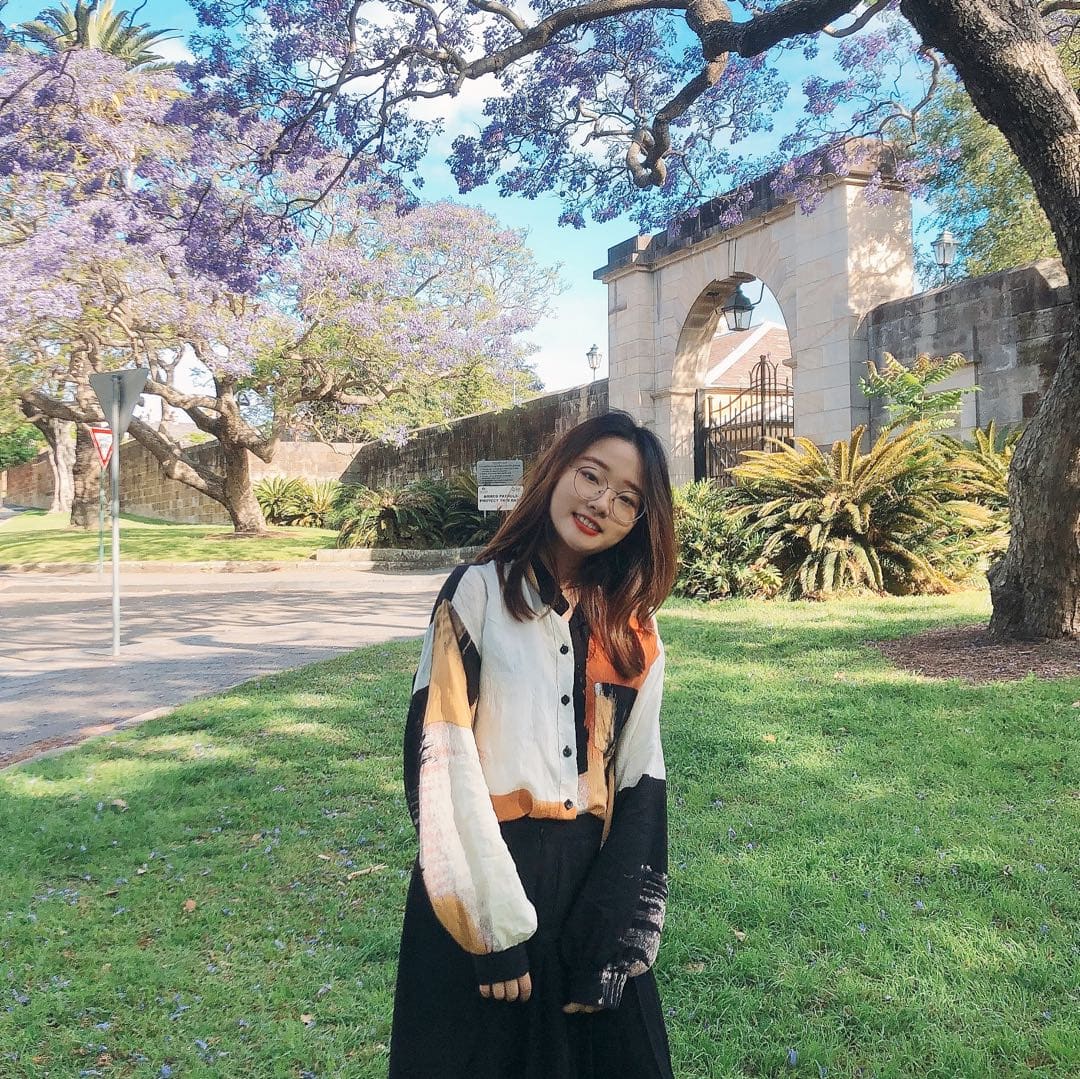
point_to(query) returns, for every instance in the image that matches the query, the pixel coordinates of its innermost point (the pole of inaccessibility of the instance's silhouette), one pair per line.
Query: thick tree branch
(178, 399)
(173, 463)
(493, 8)
(860, 22)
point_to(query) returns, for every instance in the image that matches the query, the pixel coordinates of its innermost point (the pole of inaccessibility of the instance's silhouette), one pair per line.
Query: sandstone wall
(29, 484)
(513, 433)
(146, 492)
(438, 451)
(1012, 326)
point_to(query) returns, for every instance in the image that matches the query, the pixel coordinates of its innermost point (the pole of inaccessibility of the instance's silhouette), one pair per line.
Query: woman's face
(595, 500)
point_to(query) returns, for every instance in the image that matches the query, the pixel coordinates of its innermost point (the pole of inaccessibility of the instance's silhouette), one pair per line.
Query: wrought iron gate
(726, 430)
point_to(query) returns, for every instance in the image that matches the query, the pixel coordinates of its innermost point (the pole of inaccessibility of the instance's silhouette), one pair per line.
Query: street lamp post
(593, 356)
(945, 247)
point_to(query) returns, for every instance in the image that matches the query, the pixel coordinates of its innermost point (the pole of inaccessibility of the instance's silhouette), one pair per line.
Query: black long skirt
(444, 1029)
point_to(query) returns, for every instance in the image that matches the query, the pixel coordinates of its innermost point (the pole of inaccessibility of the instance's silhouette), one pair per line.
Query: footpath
(184, 634)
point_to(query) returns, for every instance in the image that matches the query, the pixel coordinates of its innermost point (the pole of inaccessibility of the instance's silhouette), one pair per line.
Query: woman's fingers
(515, 990)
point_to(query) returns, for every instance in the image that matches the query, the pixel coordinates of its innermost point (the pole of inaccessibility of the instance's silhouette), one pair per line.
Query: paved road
(182, 636)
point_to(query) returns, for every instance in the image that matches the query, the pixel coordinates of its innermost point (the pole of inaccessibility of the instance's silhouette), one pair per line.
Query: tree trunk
(1015, 78)
(240, 500)
(87, 477)
(1036, 586)
(61, 460)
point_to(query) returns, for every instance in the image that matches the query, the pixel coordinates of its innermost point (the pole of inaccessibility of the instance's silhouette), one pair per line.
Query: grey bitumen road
(183, 635)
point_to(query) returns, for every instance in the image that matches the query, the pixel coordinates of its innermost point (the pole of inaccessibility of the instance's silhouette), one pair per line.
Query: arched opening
(744, 395)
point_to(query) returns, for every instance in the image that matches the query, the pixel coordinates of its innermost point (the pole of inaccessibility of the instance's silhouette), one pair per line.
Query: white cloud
(174, 52)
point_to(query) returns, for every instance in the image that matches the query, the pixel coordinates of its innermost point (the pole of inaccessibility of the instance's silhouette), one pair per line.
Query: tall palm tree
(93, 24)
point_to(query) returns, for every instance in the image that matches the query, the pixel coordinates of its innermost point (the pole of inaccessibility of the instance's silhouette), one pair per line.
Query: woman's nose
(602, 500)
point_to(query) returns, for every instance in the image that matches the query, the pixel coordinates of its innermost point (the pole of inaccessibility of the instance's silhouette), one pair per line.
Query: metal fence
(725, 431)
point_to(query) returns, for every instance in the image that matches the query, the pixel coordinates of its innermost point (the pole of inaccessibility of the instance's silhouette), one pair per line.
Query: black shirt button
(565, 699)
(567, 751)
(568, 804)
(564, 649)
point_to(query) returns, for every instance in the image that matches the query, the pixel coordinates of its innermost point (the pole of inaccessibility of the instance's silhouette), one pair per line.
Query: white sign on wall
(497, 497)
(499, 473)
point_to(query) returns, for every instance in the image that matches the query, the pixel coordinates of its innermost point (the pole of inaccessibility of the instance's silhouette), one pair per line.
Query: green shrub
(467, 526)
(278, 496)
(413, 516)
(20, 444)
(894, 519)
(905, 390)
(718, 557)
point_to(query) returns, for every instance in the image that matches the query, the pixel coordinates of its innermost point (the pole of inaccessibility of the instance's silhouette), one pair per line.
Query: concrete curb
(52, 747)
(388, 560)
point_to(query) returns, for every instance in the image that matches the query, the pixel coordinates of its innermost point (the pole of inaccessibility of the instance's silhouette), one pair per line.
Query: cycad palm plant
(893, 519)
(985, 464)
(408, 517)
(316, 503)
(98, 26)
(983, 467)
(279, 498)
(466, 525)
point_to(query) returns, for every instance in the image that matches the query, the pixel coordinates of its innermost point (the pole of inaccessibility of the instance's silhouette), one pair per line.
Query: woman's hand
(515, 989)
(588, 1008)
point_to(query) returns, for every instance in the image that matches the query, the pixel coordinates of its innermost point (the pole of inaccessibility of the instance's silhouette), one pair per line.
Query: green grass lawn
(872, 874)
(36, 536)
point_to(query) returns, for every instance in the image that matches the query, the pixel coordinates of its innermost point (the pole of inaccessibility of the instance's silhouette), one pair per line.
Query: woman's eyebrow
(596, 460)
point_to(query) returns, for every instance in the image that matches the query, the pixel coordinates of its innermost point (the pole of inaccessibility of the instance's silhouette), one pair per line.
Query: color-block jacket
(511, 719)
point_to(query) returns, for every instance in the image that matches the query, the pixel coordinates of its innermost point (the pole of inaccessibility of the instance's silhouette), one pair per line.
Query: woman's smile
(587, 524)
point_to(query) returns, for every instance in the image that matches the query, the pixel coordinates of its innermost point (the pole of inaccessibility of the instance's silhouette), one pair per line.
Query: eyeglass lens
(626, 506)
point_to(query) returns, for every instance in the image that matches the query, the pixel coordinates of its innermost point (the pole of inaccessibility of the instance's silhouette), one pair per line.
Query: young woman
(535, 778)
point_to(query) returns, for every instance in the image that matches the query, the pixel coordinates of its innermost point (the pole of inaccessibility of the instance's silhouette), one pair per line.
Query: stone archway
(826, 269)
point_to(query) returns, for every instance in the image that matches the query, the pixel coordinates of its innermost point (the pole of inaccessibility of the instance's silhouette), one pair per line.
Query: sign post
(101, 524)
(103, 442)
(118, 392)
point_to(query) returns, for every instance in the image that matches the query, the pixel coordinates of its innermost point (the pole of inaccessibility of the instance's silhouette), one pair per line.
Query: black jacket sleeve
(613, 930)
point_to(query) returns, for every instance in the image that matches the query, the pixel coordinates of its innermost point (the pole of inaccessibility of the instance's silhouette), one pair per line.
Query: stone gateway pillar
(827, 269)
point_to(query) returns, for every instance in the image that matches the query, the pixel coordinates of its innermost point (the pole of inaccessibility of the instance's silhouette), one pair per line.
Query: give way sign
(103, 442)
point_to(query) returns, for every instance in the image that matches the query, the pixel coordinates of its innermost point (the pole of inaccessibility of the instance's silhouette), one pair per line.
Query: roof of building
(735, 355)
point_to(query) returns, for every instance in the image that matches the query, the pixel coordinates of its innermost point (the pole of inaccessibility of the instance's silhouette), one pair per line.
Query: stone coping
(437, 557)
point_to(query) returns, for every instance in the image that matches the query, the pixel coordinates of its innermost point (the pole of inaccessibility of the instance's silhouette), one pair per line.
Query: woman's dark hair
(632, 578)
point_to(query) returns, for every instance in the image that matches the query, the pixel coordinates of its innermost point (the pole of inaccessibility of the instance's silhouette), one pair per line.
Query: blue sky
(577, 319)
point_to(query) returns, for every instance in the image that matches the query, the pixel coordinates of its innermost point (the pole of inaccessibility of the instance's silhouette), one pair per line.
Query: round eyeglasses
(590, 483)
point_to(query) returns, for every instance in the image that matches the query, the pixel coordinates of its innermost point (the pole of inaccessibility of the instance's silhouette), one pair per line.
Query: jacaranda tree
(111, 261)
(640, 106)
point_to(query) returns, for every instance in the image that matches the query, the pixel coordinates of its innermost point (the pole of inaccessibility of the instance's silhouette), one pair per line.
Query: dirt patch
(969, 653)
